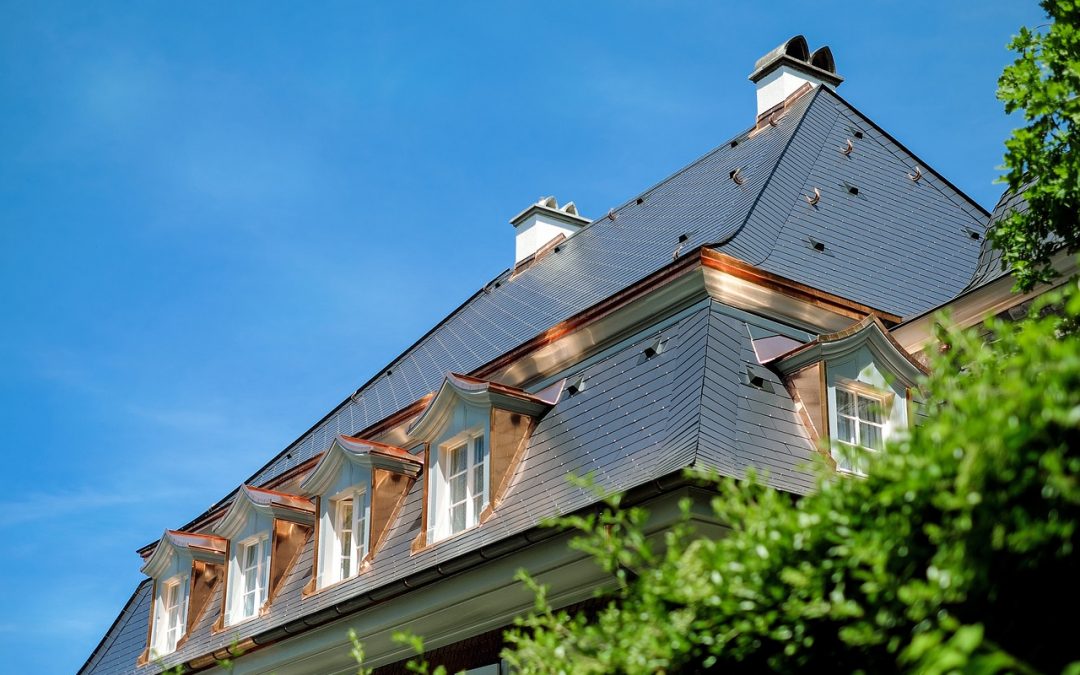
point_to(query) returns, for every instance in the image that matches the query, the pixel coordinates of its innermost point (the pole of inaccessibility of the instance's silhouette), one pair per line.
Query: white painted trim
(159, 641)
(439, 514)
(329, 572)
(238, 578)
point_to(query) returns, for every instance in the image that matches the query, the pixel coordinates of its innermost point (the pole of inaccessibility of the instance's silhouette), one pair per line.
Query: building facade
(763, 308)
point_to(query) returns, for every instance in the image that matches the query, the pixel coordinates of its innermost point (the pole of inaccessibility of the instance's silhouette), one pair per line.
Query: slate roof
(126, 638)
(637, 420)
(897, 245)
(990, 266)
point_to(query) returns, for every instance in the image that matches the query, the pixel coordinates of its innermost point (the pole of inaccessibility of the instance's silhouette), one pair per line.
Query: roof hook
(736, 175)
(611, 214)
(812, 201)
(847, 150)
(917, 176)
(774, 119)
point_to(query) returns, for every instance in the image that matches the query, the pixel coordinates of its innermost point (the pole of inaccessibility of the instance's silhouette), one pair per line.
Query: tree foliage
(1041, 158)
(957, 552)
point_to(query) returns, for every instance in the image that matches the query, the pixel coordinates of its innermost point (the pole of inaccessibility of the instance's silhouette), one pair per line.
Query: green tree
(957, 552)
(1041, 158)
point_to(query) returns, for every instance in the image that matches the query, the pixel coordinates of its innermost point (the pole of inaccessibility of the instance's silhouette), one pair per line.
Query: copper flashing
(280, 498)
(771, 116)
(534, 258)
(287, 541)
(374, 447)
(205, 577)
(388, 493)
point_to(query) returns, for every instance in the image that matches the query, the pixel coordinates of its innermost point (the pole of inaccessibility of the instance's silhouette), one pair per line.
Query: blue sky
(218, 219)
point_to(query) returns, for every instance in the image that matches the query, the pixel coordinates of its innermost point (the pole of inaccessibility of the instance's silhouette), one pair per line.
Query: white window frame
(359, 525)
(238, 583)
(474, 500)
(170, 620)
(883, 400)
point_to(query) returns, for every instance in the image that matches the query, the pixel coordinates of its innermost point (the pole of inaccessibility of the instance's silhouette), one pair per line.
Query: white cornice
(457, 390)
(191, 546)
(345, 450)
(831, 347)
(250, 501)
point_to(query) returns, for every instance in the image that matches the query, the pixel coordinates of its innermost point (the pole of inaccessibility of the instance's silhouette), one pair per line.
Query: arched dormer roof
(250, 500)
(205, 547)
(347, 449)
(457, 389)
(869, 332)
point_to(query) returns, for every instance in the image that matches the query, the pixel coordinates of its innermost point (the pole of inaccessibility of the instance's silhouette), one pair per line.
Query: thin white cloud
(62, 504)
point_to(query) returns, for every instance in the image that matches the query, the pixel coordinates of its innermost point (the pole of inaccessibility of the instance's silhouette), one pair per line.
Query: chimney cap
(795, 53)
(567, 213)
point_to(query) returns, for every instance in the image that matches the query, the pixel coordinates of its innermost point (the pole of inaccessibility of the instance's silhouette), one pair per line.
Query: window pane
(457, 488)
(844, 404)
(251, 557)
(869, 410)
(346, 554)
(871, 436)
(250, 575)
(478, 449)
(458, 460)
(478, 479)
(457, 520)
(845, 429)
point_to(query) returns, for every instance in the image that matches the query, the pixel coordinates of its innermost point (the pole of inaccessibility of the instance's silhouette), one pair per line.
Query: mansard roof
(638, 421)
(892, 242)
(897, 245)
(990, 267)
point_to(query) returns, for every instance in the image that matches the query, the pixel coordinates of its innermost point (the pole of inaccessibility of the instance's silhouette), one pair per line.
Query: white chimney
(781, 72)
(541, 223)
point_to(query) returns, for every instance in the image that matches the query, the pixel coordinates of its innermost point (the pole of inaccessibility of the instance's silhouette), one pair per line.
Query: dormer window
(359, 485)
(474, 433)
(252, 576)
(860, 425)
(186, 568)
(350, 532)
(267, 530)
(852, 389)
(461, 487)
(170, 616)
